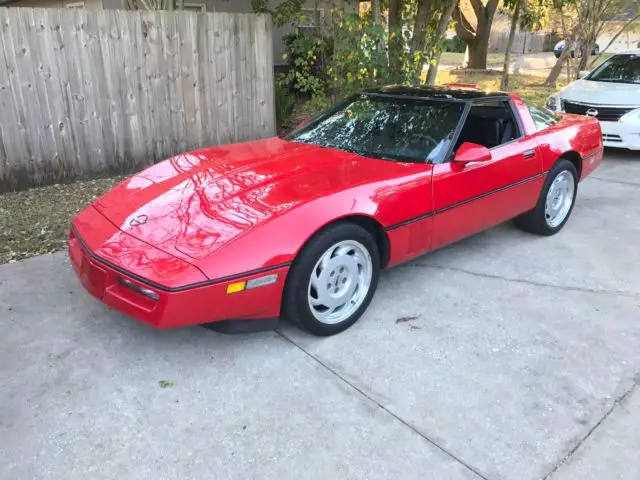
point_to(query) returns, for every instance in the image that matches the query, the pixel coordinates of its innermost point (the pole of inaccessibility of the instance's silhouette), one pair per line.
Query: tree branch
(615, 37)
(490, 10)
(478, 8)
(464, 29)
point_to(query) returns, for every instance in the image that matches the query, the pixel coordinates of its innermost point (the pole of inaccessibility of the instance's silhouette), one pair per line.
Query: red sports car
(237, 236)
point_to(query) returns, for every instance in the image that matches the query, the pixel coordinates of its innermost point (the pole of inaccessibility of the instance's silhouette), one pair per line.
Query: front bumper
(174, 307)
(620, 135)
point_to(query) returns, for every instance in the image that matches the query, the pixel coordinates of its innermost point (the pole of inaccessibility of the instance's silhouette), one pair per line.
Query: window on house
(310, 21)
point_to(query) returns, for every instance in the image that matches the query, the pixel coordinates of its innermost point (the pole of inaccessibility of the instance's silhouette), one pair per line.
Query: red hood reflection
(195, 203)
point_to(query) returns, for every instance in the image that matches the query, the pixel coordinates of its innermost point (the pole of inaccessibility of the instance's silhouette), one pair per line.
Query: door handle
(529, 153)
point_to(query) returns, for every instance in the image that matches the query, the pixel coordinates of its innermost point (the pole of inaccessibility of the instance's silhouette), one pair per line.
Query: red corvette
(237, 236)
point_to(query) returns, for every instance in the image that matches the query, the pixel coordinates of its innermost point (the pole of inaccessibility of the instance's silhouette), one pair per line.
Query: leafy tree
(588, 19)
(622, 29)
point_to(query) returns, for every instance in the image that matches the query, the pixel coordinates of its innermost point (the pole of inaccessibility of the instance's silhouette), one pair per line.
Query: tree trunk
(504, 83)
(584, 59)
(478, 55)
(477, 39)
(375, 11)
(419, 39)
(442, 28)
(395, 32)
(555, 72)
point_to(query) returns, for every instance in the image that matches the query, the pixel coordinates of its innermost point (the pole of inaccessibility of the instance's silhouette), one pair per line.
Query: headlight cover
(632, 117)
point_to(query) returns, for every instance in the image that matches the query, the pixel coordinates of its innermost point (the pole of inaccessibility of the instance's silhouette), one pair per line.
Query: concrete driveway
(504, 356)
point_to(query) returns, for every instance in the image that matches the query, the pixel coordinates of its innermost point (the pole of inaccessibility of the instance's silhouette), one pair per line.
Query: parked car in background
(300, 227)
(611, 93)
(559, 48)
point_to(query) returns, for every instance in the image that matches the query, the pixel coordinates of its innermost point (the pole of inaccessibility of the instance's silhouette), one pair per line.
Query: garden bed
(36, 221)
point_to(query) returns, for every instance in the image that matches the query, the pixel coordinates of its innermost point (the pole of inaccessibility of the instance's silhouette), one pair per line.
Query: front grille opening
(608, 137)
(605, 114)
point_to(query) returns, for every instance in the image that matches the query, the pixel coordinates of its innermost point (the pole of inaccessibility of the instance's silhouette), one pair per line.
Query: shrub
(285, 103)
(454, 44)
(308, 56)
(361, 57)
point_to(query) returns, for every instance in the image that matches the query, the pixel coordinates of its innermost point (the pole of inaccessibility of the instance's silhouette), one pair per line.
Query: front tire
(333, 279)
(556, 201)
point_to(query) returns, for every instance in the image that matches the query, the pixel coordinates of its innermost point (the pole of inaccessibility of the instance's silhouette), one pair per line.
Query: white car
(611, 93)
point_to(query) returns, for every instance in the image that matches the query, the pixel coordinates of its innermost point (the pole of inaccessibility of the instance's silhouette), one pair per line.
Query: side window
(542, 118)
(490, 124)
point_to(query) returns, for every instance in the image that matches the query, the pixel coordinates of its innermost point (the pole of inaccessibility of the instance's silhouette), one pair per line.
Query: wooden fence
(90, 91)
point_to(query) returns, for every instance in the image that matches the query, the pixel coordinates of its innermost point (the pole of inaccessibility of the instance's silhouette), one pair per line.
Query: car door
(478, 195)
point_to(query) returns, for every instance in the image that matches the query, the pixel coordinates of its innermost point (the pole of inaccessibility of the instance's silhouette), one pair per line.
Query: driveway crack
(382, 407)
(573, 288)
(606, 415)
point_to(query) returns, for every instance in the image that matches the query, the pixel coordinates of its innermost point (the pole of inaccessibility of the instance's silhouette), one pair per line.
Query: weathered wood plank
(12, 160)
(88, 91)
(190, 70)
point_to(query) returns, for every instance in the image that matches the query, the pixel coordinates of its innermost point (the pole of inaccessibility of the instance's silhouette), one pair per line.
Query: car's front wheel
(333, 279)
(555, 203)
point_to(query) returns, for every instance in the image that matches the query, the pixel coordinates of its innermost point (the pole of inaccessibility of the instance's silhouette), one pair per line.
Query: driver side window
(490, 124)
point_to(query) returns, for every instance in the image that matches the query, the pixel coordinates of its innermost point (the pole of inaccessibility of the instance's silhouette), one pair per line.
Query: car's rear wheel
(556, 201)
(333, 279)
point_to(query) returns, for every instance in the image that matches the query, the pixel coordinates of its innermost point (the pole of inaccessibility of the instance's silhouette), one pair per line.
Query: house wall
(244, 6)
(92, 4)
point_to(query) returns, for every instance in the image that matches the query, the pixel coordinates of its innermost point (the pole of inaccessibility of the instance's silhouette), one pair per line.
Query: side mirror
(584, 73)
(472, 152)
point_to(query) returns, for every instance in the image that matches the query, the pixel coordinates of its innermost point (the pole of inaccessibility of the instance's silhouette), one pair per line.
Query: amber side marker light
(253, 283)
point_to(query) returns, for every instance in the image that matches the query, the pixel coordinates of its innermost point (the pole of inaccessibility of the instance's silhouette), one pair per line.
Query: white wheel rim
(559, 199)
(339, 282)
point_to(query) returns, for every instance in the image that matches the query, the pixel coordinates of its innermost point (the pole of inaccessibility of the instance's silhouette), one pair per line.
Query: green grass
(36, 221)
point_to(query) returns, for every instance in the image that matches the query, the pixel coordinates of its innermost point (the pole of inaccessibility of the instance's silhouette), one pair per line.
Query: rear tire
(332, 280)
(556, 201)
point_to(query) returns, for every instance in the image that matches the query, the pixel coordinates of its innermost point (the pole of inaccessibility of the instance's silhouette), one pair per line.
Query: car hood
(602, 93)
(194, 204)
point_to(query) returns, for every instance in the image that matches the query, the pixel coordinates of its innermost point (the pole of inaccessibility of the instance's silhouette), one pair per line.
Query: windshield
(405, 130)
(619, 69)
